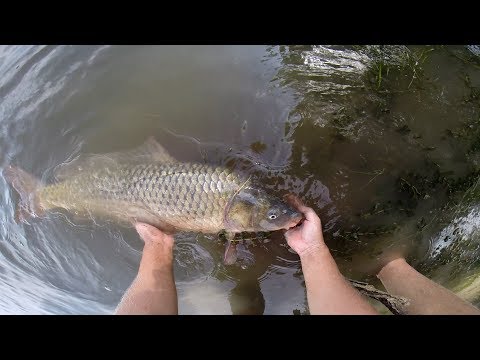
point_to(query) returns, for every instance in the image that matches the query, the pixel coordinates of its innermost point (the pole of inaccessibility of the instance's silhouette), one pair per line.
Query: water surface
(382, 141)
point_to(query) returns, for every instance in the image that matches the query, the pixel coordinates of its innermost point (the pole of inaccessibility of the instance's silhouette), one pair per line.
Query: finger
(295, 202)
(300, 206)
(290, 232)
(148, 232)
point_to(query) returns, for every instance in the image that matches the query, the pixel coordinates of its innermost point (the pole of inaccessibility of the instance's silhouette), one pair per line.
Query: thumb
(300, 206)
(290, 233)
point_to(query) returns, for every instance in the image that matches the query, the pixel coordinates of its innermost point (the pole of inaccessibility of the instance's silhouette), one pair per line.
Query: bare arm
(328, 292)
(153, 291)
(426, 297)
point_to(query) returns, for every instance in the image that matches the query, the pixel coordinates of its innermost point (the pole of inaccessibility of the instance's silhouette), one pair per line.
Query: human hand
(153, 290)
(155, 239)
(308, 236)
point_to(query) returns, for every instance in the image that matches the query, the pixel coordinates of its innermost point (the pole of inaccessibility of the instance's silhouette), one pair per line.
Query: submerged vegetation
(403, 128)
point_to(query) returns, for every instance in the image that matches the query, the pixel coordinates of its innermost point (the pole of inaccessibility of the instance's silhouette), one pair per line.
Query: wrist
(392, 266)
(157, 255)
(314, 252)
(155, 268)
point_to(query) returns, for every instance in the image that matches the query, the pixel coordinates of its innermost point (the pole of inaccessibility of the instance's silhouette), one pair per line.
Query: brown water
(381, 141)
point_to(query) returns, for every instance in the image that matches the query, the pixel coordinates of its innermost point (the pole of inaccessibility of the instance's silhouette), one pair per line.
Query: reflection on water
(246, 298)
(382, 141)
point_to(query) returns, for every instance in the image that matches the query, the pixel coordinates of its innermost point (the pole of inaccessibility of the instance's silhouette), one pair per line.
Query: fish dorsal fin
(83, 163)
(149, 151)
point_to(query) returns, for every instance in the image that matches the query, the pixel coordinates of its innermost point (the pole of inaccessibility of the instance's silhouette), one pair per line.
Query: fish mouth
(294, 222)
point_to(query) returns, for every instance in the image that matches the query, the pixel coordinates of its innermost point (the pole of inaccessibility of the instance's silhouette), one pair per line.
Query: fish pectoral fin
(230, 236)
(230, 256)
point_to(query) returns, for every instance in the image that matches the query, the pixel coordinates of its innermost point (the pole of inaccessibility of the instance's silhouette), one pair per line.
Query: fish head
(256, 210)
(274, 214)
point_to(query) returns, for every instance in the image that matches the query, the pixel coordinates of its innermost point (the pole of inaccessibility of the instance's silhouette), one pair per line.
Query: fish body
(148, 185)
(186, 196)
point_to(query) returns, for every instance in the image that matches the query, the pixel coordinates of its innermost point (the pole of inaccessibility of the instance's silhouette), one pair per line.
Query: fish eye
(272, 216)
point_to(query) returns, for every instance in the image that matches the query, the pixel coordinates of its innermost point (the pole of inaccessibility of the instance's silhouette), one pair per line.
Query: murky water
(382, 141)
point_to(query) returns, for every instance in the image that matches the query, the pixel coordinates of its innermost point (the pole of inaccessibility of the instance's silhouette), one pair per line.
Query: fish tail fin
(26, 186)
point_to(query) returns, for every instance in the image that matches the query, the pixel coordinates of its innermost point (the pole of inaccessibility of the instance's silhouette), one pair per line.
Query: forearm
(153, 291)
(425, 296)
(328, 292)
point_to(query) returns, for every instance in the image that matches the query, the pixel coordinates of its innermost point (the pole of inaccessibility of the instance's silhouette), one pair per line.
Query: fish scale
(193, 196)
